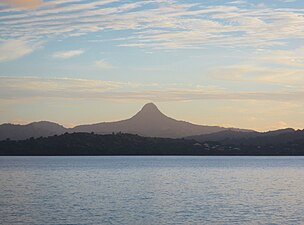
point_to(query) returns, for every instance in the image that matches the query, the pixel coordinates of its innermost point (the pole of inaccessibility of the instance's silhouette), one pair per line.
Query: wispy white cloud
(280, 67)
(103, 64)
(23, 3)
(288, 78)
(238, 2)
(67, 54)
(287, 1)
(161, 24)
(293, 58)
(71, 88)
(14, 49)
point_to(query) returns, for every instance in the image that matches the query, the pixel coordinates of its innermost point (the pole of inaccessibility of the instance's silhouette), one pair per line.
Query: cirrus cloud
(67, 54)
(14, 49)
(103, 64)
(23, 3)
(73, 88)
(161, 24)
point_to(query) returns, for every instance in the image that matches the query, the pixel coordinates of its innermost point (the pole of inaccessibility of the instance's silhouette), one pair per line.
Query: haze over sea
(151, 190)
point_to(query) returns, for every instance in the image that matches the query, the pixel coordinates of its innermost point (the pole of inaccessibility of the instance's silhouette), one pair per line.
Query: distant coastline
(148, 132)
(87, 144)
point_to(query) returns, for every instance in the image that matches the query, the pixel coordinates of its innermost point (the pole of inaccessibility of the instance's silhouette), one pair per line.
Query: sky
(232, 63)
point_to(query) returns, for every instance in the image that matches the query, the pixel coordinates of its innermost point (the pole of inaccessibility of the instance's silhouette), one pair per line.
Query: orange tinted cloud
(23, 3)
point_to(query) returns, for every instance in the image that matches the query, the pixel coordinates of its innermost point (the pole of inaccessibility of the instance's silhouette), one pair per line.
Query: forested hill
(129, 144)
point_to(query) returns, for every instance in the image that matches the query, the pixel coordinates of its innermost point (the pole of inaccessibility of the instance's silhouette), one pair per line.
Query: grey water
(151, 190)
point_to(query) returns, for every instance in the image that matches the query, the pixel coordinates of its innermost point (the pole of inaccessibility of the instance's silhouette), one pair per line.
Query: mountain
(150, 122)
(224, 135)
(35, 129)
(232, 136)
(278, 132)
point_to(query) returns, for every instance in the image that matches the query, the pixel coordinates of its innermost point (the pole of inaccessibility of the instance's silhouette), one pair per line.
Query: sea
(151, 190)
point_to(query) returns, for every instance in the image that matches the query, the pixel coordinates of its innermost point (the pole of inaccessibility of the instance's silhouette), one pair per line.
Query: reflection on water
(152, 190)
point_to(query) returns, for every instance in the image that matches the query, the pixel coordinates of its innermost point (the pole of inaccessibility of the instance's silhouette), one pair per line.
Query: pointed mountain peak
(149, 112)
(150, 107)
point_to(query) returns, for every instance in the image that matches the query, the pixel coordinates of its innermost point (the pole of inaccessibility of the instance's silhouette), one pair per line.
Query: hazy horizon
(225, 63)
(134, 114)
(150, 114)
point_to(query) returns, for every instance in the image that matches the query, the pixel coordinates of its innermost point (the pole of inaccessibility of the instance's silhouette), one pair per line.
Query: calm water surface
(151, 190)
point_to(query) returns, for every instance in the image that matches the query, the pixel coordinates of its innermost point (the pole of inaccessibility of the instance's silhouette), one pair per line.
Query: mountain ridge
(34, 129)
(149, 122)
(232, 135)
